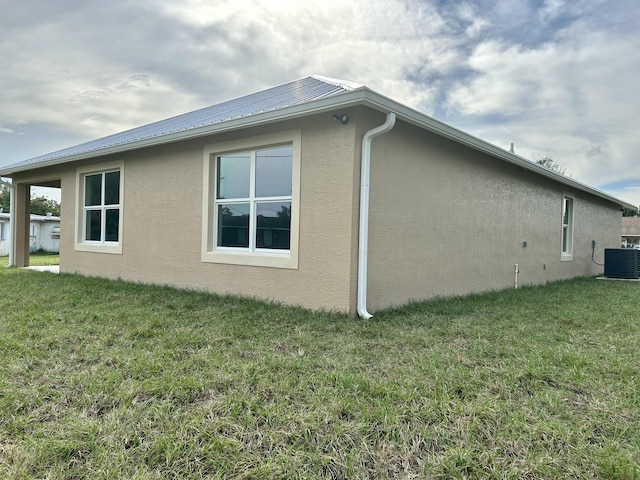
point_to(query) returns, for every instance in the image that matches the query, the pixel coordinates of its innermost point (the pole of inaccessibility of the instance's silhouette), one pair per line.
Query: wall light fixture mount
(341, 117)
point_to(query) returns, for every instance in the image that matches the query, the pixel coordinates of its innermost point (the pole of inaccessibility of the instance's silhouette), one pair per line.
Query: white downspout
(363, 238)
(11, 219)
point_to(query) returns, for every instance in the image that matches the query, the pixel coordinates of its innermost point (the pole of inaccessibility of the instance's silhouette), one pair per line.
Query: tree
(630, 212)
(44, 205)
(548, 163)
(39, 205)
(5, 198)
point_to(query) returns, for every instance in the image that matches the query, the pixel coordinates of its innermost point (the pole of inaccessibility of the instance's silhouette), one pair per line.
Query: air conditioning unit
(621, 263)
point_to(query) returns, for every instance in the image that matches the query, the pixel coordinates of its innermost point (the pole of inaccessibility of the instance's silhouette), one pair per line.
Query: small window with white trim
(567, 228)
(251, 205)
(99, 218)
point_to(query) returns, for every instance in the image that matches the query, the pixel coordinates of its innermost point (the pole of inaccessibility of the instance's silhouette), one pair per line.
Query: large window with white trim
(99, 221)
(251, 201)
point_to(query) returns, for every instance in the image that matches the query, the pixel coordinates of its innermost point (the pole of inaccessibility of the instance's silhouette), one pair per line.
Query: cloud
(9, 127)
(569, 98)
(556, 77)
(97, 68)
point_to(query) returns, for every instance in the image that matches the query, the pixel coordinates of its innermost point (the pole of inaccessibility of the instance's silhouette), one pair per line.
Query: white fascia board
(358, 96)
(384, 104)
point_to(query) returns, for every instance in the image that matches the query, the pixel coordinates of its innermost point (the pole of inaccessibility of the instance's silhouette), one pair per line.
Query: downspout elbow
(363, 238)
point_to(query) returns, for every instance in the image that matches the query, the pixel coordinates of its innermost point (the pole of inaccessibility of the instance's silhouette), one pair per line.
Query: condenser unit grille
(621, 263)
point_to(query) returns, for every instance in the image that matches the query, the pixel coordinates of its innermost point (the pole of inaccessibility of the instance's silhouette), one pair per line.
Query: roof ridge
(338, 83)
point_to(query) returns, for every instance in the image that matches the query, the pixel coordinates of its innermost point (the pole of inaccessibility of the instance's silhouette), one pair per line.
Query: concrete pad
(48, 268)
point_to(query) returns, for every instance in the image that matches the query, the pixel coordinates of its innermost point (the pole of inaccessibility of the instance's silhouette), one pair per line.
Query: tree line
(40, 205)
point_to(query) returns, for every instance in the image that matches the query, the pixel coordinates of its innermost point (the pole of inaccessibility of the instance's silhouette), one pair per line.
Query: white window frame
(568, 202)
(98, 246)
(4, 226)
(211, 253)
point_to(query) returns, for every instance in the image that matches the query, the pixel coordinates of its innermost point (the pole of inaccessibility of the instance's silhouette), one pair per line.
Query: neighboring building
(265, 196)
(630, 232)
(44, 233)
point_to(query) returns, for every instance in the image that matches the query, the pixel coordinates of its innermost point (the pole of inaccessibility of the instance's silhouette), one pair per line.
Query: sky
(555, 78)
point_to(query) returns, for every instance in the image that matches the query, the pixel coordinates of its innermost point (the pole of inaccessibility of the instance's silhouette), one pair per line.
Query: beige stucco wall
(446, 220)
(162, 221)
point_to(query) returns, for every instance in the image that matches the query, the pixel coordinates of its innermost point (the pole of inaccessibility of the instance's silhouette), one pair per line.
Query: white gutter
(363, 238)
(12, 218)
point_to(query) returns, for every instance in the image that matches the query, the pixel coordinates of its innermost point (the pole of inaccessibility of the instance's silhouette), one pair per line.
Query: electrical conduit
(363, 238)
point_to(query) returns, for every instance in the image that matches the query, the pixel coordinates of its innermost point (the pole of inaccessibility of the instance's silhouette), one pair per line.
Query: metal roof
(33, 217)
(293, 93)
(301, 97)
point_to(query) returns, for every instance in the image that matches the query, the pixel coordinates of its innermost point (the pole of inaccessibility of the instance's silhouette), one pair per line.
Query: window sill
(566, 258)
(97, 248)
(289, 261)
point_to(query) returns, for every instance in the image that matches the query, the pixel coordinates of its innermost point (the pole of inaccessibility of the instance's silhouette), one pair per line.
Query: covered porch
(20, 217)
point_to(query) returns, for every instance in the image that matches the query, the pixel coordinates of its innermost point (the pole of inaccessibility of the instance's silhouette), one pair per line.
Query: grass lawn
(39, 259)
(105, 379)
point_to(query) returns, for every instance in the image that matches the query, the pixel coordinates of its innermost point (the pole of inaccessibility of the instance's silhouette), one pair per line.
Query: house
(630, 232)
(319, 193)
(44, 233)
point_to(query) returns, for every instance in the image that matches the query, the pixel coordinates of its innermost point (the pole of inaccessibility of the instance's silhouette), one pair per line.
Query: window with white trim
(251, 201)
(567, 227)
(99, 200)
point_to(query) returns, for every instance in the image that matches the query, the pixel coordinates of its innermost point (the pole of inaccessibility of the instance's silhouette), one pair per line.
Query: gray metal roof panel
(293, 93)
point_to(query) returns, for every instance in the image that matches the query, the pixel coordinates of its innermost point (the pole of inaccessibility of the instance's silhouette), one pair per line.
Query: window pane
(233, 175)
(93, 221)
(273, 172)
(93, 189)
(273, 227)
(112, 218)
(233, 225)
(112, 188)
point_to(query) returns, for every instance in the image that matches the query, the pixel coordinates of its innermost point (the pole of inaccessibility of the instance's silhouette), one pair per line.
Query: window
(33, 230)
(100, 209)
(3, 230)
(253, 199)
(251, 204)
(567, 228)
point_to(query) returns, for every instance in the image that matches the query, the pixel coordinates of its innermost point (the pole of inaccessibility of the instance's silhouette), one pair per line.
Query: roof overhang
(358, 96)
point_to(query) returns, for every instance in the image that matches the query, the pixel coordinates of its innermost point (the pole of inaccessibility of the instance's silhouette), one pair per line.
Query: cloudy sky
(557, 78)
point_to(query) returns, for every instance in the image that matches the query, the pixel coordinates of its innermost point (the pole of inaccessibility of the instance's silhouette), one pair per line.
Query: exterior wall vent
(621, 263)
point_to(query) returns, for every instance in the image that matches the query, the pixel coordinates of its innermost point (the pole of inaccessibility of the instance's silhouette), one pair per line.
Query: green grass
(103, 380)
(38, 259)
(41, 259)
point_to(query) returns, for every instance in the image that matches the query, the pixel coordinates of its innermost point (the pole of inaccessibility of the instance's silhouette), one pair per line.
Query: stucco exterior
(449, 215)
(162, 227)
(446, 220)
